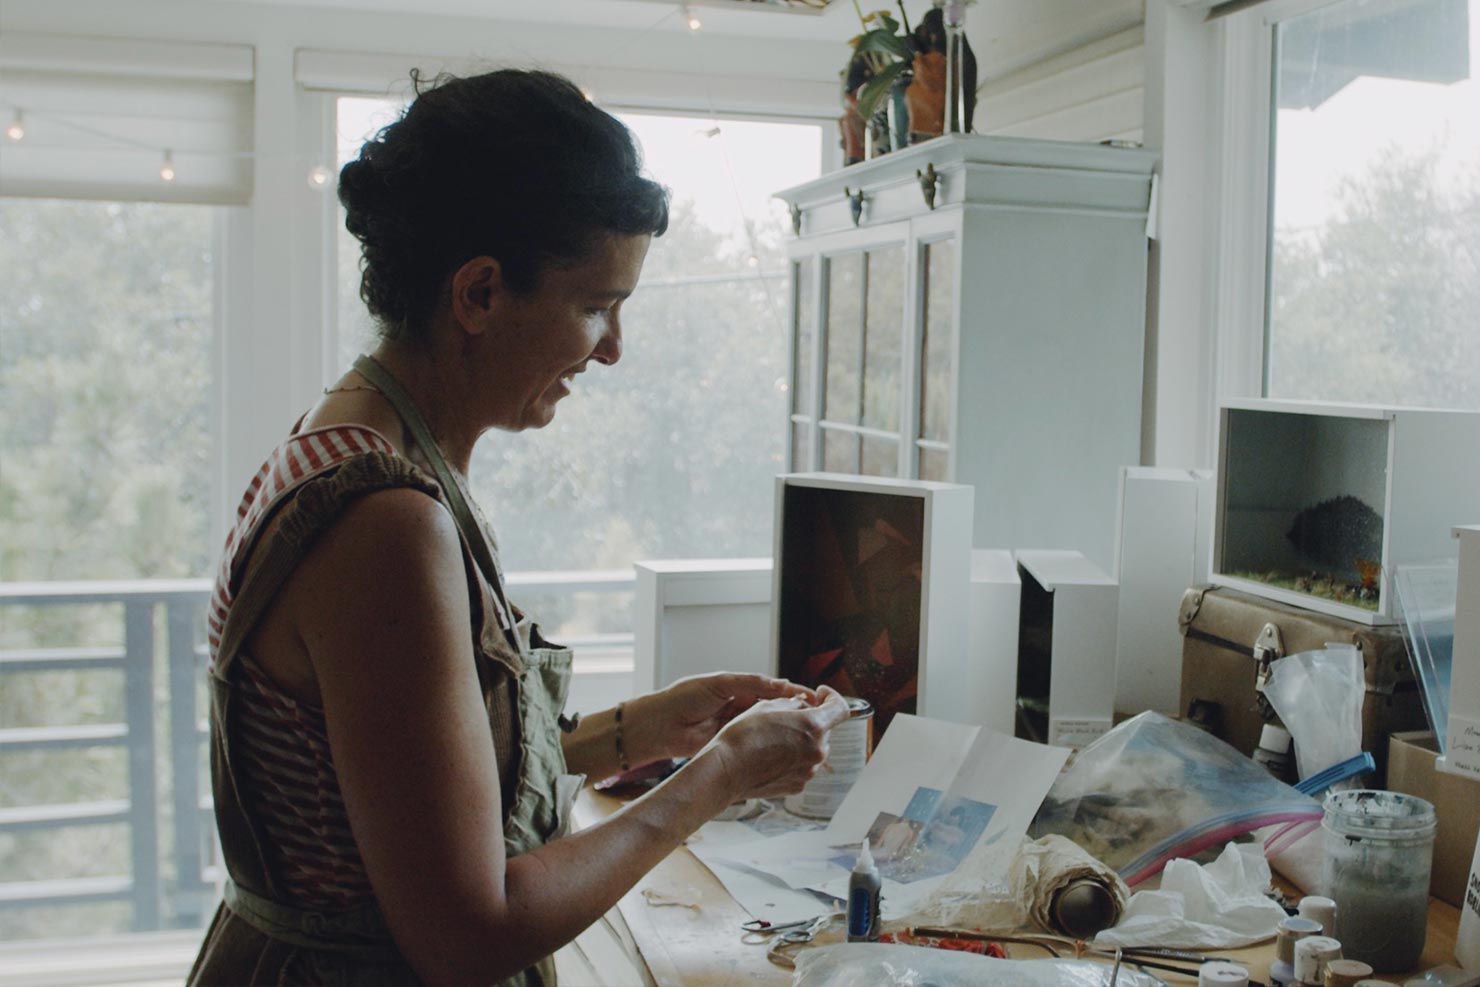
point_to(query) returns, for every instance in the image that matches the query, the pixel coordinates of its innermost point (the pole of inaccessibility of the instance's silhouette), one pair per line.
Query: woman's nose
(609, 348)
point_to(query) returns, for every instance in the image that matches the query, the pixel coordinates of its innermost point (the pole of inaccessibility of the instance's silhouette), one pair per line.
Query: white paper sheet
(933, 794)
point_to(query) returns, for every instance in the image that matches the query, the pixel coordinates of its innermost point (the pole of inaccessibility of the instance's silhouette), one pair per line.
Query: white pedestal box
(992, 632)
(1318, 503)
(1066, 650)
(1164, 545)
(871, 583)
(1462, 750)
(700, 615)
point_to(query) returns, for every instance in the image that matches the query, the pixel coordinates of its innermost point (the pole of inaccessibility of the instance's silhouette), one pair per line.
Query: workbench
(686, 928)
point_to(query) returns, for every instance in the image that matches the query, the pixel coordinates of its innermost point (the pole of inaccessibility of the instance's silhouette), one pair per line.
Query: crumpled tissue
(1220, 906)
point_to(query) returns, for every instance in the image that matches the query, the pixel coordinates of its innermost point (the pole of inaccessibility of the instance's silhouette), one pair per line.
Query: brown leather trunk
(1229, 636)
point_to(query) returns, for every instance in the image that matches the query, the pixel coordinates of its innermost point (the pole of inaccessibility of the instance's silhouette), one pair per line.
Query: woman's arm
(381, 604)
(673, 722)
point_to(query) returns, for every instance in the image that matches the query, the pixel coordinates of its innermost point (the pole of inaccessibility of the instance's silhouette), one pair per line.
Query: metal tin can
(849, 745)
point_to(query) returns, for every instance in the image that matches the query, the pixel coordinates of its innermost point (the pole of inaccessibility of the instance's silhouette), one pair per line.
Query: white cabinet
(992, 336)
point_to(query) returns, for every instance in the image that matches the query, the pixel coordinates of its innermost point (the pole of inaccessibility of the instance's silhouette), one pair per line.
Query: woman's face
(572, 318)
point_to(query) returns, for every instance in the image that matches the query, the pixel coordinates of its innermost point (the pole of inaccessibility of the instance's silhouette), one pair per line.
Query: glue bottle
(863, 898)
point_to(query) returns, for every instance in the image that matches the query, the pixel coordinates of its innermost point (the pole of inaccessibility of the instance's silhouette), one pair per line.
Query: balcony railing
(160, 669)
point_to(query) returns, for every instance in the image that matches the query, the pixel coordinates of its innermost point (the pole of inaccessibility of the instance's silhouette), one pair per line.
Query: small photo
(931, 838)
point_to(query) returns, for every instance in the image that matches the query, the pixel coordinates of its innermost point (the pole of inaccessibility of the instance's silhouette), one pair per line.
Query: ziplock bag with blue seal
(1154, 788)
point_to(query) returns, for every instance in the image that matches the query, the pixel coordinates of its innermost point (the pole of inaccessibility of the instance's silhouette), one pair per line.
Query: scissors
(759, 930)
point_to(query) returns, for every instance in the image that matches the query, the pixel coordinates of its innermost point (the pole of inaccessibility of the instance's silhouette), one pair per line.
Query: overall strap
(485, 555)
(317, 500)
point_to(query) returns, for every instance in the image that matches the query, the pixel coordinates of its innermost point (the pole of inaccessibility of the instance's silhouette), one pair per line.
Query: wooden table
(700, 946)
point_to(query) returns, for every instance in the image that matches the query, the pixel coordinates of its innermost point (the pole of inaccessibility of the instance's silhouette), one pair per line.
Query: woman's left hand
(687, 714)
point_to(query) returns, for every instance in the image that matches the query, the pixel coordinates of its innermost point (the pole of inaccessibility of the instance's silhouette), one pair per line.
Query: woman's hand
(776, 746)
(681, 719)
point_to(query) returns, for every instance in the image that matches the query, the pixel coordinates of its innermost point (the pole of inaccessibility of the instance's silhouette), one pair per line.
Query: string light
(167, 169)
(690, 18)
(17, 128)
(318, 177)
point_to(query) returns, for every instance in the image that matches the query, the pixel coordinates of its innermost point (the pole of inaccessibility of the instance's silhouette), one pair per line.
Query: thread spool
(1319, 908)
(1312, 955)
(1347, 973)
(1221, 973)
(849, 745)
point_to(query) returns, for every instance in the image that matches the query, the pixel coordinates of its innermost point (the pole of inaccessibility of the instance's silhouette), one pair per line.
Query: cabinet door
(803, 374)
(861, 355)
(937, 346)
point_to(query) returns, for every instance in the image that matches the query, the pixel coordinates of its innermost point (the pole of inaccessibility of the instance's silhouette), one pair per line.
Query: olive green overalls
(256, 935)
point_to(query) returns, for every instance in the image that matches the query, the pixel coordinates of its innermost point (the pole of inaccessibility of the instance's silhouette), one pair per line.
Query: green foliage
(872, 93)
(105, 388)
(1378, 306)
(105, 453)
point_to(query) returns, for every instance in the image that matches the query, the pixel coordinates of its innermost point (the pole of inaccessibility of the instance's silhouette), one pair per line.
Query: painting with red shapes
(851, 595)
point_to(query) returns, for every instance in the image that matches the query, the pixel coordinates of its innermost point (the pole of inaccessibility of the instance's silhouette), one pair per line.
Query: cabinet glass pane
(880, 457)
(840, 451)
(803, 317)
(935, 465)
(883, 332)
(801, 446)
(844, 360)
(936, 346)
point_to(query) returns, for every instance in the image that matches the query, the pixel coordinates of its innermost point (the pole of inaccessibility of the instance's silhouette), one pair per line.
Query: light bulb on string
(17, 128)
(318, 177)
(167, 169)
(690, 18)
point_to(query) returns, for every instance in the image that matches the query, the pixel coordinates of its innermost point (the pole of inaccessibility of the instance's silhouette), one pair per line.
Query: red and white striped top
(302, 457)
(291, 786)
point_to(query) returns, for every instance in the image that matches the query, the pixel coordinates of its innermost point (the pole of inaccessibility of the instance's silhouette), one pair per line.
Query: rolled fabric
(1074, 893)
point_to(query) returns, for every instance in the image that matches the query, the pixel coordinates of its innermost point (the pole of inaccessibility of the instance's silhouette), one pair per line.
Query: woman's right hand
(776, 746)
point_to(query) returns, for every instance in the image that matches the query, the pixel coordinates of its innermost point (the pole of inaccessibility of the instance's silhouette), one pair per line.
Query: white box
(990, 687)
(870, 590)
(1462, 747)
(1377, 487)
(1163, 546)
(700, 615)
(1066, 653)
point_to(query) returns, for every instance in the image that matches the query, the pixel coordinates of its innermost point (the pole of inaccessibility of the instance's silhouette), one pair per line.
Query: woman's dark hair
(514, 165)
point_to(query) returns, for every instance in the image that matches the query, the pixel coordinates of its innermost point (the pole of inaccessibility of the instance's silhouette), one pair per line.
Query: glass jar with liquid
(1379, 848)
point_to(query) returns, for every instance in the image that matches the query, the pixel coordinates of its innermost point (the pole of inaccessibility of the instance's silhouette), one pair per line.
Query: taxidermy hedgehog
(1337, 533)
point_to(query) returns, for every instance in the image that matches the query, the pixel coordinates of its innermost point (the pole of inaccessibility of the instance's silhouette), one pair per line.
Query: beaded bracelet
(621, 750)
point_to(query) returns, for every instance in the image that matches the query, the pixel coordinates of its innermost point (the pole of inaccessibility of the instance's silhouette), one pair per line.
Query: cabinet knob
(855, 203)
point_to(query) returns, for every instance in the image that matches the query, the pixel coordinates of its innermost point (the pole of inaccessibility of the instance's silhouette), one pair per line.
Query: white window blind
(100, 115)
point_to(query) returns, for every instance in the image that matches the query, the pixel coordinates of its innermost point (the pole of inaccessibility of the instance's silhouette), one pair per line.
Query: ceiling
(1006, 34)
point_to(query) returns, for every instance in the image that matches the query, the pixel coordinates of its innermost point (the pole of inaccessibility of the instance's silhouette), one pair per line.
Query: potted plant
(900, 73)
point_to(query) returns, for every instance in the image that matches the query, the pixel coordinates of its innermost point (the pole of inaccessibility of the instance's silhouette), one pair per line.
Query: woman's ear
(477, 289)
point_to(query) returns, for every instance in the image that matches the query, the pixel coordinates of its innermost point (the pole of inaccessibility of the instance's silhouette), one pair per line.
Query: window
(672, 453)
(1374, 259)
(106, 388)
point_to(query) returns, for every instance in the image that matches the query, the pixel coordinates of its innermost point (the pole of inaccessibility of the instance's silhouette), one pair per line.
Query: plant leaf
(872, 92)
(885, 42)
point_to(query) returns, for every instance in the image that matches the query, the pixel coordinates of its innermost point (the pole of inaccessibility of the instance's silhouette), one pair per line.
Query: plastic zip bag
(1153, 789)
(890, 965)
(1318, 696)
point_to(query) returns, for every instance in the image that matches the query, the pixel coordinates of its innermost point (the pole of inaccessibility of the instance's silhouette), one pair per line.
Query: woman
(390, 780)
